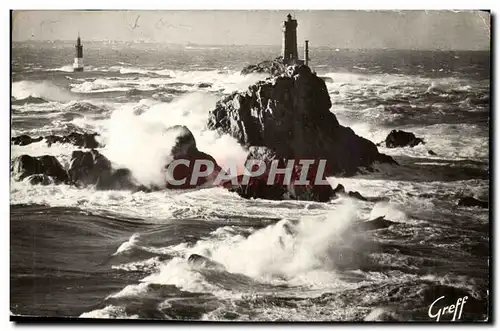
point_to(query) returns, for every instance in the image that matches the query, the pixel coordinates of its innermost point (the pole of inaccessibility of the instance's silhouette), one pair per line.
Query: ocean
(81, 252)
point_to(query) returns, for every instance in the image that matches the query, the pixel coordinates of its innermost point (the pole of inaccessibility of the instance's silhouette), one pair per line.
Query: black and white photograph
(251, 165)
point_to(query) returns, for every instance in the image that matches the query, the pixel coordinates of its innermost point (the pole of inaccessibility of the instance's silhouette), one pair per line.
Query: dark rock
(431, 152)
(53, 168)
(290, 115)
(24, 140)
(378, 223)
(201, 261)
(25, 166)
(257, 188)
(48, 165)
(340, 190)
(278, 189)
(204, 85)
(41, 179)
(356, 195)
(84, 140)
(119, 179)
(93, 168)
(185, 149)
(273, 67)
(81, 172)
(472, 202)
(52, 139)
(399, 138)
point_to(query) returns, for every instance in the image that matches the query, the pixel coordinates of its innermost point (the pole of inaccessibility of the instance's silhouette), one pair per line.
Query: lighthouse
(78, 64)
(290, 54)
(306, 52)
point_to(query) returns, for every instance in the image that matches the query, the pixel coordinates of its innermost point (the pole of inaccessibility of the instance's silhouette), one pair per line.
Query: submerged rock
(377, 223)
(197, 260)
(472, 202)
(290, 115)
(204, 85)
(399, 138)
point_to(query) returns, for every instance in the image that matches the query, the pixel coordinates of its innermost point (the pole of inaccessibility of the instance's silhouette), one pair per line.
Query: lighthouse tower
(78, 64)
(290, 54)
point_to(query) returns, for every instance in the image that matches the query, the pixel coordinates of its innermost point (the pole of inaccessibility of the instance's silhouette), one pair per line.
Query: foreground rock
(42, 169)
(399, 138)
(84, 140)
(290, 115)
(472, 202)
(86, 168)
(92, 168)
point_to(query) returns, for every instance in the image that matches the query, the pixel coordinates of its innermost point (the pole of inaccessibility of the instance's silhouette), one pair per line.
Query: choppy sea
(116, 254)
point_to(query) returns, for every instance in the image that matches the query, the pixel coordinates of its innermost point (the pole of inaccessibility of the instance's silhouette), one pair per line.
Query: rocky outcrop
(24, 140)
(272, 67)
(185, 149)
(84, 140)
(92, 168)
(38, 168)
(290, 115)
(278, 188)
(400, 138)
(472, 202)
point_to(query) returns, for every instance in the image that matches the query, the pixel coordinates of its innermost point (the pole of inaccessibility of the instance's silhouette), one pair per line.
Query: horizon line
(232, 45)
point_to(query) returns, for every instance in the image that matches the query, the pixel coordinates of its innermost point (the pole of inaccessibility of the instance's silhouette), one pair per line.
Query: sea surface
(116, 254)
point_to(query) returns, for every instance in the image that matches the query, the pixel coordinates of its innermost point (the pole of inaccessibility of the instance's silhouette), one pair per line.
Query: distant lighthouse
(78, 64)
(290, 54)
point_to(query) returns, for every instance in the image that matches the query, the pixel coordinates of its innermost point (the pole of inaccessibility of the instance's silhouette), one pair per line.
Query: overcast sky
(468, 30)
